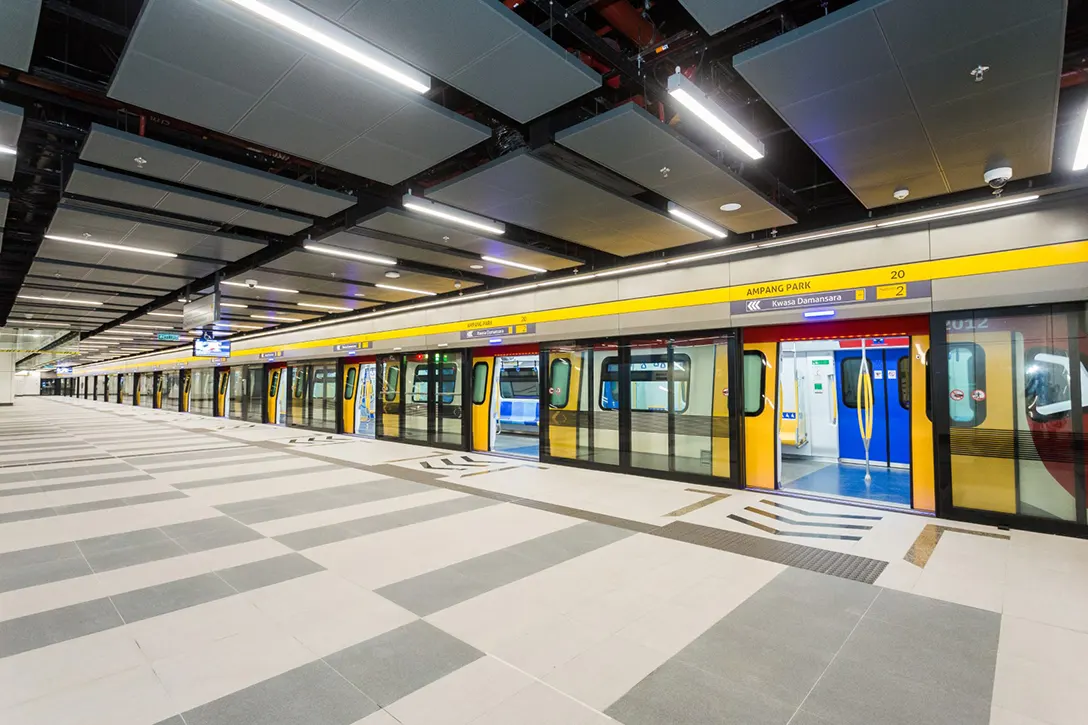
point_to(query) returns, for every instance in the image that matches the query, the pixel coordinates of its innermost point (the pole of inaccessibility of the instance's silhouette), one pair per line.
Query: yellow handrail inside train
(865, 403)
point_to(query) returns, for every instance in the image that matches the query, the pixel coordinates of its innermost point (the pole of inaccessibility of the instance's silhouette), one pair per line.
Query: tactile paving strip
(847, 566)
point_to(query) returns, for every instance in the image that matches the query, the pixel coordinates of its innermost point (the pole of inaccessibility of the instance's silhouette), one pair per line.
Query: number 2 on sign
(891, 291)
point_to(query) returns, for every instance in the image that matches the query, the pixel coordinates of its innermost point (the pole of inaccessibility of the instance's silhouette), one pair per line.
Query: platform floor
(159, 567)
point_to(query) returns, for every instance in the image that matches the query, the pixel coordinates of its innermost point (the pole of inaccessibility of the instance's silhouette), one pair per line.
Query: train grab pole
(865, 408)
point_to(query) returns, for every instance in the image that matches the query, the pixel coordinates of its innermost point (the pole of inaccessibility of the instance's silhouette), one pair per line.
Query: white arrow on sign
(753, 306)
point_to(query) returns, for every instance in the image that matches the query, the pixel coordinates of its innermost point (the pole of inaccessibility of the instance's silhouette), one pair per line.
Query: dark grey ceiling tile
(18, 29)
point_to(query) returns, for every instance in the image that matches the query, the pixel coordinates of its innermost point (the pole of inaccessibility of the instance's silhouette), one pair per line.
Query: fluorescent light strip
(692, 98)
(508, 263)
(233, 326)
(691, 220)
(277, 319)
(110, 245)
(146, 327)
(165, 314)
(1080, 161)
(58, 299)
(407, 289)
(625, 270)
(441, 211)
(331, 308)
(261, 287)
(234, 305)
(958, 212)
(302, 25)
(7, 151)
(337, 252)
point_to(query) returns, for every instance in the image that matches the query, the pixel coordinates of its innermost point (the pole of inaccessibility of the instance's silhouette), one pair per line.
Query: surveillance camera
(251, 283)
(997, 176)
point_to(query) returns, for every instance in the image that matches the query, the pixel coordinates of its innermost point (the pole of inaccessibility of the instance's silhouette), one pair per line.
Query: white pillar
(7, 378)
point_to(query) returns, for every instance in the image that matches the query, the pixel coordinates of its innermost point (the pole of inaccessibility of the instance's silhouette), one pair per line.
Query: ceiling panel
(101, 184)
(11, 124)
(478, 46)
(3, 213)
(716, 15)
(251, 79)
(524, 190)
(70, 221)
(18, 28)
(136, 279)
(115, 148)
(882, 91)
(356, 240)
(413, 226)
(352, 271)
(634, 144)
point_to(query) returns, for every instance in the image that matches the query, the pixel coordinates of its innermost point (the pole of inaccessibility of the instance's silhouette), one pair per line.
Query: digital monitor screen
(211, 348)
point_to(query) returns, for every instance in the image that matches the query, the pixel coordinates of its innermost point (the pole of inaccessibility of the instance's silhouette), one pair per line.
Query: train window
(479, 383)
(755, 382)
(649, 383)
(447, 384)
(349, 383)
(966, 385)
(518, 384)
(1048, 393)
(274, 384)
(299, 379)
(223, 383)
(849, 370)
(904, 381)
(559, 379)
(392, 383)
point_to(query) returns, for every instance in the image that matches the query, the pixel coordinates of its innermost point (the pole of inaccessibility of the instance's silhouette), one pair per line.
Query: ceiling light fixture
(946, 213)
(693, 221)
(518, 265)
(7, 151)
(330, 308)
(165, 314)
(109, 245)
(407, 289)
(275, 318)
(58, 299)
(260, 287)
(688, 95)
(234, 305)
(730, 206)
(448, 213)
(302, 22)
(146, 327)
(337, 252)
(475, 266)
(1080, 161)
(234, 326)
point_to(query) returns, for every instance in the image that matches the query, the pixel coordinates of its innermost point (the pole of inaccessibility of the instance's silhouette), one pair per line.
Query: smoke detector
(392, 275)
(901, 193)
(731, 206)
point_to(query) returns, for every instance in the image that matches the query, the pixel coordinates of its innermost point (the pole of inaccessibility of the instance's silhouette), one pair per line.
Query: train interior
(365, 400)
(515, 406)
(844, 419)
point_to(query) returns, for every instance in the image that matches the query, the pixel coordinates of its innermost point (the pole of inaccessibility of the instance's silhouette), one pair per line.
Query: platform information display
(211, 348)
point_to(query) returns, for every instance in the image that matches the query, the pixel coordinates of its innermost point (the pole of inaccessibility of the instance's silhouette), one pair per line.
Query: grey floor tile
(852, 692)
(102, 544)
(309, 538)
(400, 662)
(263, 573)
(967, 666)
(20, 491)
(91, 483)
(946, 620)
(295, 504)
(763, 659)
(79, 508)
(38, 555)
(256, 475)
(30, 575)
(151, 497)
(56, 625)
(434, 591)
(313, 694)
(176, 720)
(132, 555)
(206, 457)
(205, 534)
(26, 515)
(169, 597)
(679, 694)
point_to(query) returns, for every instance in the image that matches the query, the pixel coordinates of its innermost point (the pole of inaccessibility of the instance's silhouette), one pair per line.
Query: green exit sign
(821, 362)
(169, 336)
